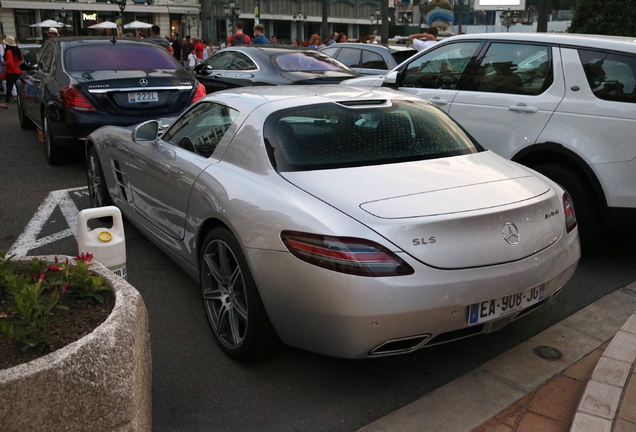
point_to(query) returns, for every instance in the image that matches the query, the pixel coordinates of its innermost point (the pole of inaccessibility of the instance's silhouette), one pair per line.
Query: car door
(35, 83)
(163, 172)
(436, 74)
(225, 70)
(509, 95)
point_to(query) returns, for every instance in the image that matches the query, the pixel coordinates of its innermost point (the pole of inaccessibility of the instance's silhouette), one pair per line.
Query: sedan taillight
(570, 217)
(200, 93)
(345, 254)
(75, 100)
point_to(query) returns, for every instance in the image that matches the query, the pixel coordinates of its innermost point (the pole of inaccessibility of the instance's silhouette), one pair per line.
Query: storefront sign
(89, 16)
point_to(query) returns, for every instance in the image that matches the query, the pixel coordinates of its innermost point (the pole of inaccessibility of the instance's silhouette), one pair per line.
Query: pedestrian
(314, 41)
(342, 38)
(273, 40)
(186, 48)
(296, 42)
(52, 33)
(192, 59)
(209, 50)
(155, 37)
(176, 46)
(12, 59)
(239, 38)
(222, 44)
(259, 37)
(199, 48)
(372, 40)
(332, 40)
(430, 36)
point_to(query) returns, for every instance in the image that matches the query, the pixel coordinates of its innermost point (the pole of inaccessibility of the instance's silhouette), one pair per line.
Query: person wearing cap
(53, 33)
(372, 39)
(12, 59)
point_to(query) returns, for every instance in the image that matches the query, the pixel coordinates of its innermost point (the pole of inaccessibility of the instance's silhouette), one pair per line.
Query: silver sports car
(346, 221)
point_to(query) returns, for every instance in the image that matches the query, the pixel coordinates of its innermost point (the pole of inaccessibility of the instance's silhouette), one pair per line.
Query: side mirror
(203, 69)
(147, 131)
(391, 79)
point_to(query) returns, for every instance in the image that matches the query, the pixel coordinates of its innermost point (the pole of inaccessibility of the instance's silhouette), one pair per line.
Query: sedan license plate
(490, 309)
(143, 97)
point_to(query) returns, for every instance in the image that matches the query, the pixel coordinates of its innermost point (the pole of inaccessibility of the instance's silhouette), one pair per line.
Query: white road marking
(29, 240)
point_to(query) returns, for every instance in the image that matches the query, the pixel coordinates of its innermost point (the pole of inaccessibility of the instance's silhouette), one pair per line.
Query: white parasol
(137, 25)
(104, 25)
(50, 23)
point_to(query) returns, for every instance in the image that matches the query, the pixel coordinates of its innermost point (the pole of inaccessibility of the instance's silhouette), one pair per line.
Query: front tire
(586, 203)
(233, 306)
(97, 189)
(52, 151)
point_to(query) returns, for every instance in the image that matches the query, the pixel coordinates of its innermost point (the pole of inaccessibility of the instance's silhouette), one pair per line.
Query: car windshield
(338, 135)
(307, 61)
(98, 57)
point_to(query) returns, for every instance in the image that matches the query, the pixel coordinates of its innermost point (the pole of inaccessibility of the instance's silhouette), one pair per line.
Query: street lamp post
(192, 20)
(300, 18)
(376, 18)
(232, 11)
(122, 7)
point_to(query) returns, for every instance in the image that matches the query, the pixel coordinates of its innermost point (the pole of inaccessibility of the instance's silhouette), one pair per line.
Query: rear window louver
(364, 102)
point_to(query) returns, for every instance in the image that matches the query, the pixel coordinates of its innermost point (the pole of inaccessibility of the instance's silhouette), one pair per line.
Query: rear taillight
(75, 100)
(200, 93)
(570, 217)
(345, 254)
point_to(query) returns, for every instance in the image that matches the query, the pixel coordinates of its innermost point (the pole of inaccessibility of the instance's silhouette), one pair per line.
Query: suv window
(610, 76)
(350, 57)
(512, 68)
(329, 136)
(439, 68)
(200, 130)
(373, 60)
(121, 56)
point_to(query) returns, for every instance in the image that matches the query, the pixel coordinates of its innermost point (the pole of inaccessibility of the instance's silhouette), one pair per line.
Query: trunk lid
(448, 213)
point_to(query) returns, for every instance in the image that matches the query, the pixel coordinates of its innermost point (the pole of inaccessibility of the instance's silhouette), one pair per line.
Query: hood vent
(365, 102)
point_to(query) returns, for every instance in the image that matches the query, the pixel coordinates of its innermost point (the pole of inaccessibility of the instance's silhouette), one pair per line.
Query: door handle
(438, 101)
(216, 76)
(523, 108)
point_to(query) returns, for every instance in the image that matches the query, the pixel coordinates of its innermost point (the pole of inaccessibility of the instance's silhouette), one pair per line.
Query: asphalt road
(196, 388)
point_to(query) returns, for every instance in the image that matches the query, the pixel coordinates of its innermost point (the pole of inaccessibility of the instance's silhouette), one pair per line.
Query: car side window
(439, 68)
(242, 62)
(45, 58)
(221, 61)
(350, 57)
(200, 130)
(513, 68)
(610, 76)
(373, 60)
(330, 51)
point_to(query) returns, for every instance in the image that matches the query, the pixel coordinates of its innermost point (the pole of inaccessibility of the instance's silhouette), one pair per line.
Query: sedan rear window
(307, 61)
(337, 135)
(117, 57)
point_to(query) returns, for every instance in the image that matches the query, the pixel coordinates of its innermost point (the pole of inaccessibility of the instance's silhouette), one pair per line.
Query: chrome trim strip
(129, 89)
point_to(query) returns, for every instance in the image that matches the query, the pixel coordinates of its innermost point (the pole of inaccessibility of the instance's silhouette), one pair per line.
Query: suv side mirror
(391, 79)
(146, 131)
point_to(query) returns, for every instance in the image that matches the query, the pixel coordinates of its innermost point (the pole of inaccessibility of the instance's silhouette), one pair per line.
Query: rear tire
(586, 205)
(232, 304)
(25, 122)
(97, 189)
(52, 151)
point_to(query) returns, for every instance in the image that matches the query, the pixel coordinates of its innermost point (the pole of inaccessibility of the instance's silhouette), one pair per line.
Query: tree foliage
(605, 17)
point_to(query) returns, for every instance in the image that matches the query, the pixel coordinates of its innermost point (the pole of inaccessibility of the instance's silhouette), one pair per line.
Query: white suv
(562, 104)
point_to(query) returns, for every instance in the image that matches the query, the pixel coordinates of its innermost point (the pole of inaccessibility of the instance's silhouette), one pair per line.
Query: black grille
(363, 102)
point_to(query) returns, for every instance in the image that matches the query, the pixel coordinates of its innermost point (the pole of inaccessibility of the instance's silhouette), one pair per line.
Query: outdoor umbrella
(137, 25)
(50, 23)
(104, 25)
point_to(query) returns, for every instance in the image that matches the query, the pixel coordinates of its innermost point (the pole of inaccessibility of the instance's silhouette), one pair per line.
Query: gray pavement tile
(600, 400)
(611, 371)
(623, 347)
(588, 423)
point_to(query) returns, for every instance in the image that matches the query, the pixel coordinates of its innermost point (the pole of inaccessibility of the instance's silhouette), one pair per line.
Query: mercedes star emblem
(510, 233)
(143, 82)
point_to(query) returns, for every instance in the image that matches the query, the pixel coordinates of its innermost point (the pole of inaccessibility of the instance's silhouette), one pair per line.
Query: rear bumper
(350, 316)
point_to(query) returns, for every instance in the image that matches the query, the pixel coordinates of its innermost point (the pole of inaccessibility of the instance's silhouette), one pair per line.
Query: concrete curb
(606, 392)
(101, 382)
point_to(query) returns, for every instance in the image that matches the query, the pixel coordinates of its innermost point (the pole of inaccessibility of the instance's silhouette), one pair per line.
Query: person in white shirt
(430, 36)
(192, 59)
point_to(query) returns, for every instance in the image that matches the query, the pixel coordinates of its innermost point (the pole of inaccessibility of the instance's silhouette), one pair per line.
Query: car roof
(251, 97)
(590, 41)
(373, 47)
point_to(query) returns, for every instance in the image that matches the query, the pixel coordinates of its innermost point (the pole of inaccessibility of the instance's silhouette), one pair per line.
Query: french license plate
(143, 97)
(490, 309)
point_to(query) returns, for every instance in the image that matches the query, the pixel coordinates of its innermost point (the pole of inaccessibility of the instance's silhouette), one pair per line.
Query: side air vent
(364, 102)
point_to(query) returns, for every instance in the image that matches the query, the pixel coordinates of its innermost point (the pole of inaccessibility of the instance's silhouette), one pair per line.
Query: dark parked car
(30, 51)
(256, 65)
(82, 83)
(369, 59)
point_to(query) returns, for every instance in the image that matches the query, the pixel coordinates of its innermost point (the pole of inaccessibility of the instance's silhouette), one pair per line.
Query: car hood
(448, 213)
(318, 77)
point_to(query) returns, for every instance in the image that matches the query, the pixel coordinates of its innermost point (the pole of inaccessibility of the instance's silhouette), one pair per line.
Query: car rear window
(335, 135)
(307, 61)
(117, 57)
(400, 56)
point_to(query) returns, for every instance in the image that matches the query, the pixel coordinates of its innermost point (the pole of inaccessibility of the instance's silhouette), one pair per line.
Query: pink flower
(41, 278)
(66, 287)
(84, 256)
(54, 268)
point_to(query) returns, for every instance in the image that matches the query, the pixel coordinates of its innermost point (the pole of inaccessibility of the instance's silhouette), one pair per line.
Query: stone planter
(101, 382)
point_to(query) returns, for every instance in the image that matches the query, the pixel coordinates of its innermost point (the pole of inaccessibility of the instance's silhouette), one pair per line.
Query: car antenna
(113, 40)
